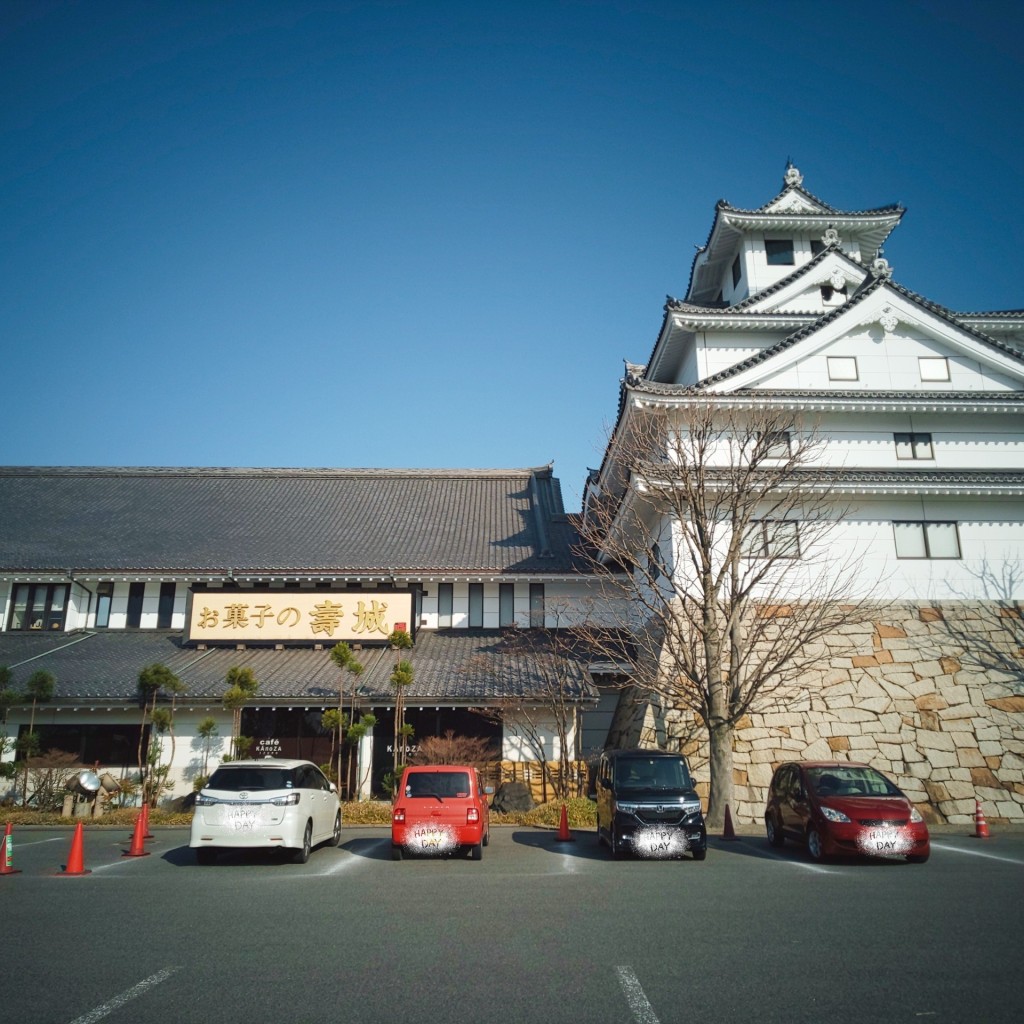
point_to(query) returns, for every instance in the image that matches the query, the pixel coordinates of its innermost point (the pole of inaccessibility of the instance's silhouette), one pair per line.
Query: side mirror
(334, 788)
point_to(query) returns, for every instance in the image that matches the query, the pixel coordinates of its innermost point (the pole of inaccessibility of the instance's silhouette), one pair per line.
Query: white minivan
(270, 802)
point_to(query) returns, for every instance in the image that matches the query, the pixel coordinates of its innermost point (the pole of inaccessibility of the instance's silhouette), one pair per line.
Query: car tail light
(286, 801)
(472, 815)
(399, 815)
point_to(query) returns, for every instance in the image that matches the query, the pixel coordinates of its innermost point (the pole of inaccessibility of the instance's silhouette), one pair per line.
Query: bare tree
(987, 624)
(542, 685)
(713, 539)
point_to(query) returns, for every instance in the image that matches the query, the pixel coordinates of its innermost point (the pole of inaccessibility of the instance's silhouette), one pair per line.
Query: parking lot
(538, 930)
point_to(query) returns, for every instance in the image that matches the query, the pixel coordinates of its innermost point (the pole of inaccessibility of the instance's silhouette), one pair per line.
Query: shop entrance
(426, 722)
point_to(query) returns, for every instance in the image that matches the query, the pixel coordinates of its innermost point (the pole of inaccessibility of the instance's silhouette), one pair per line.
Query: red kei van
(439, 809)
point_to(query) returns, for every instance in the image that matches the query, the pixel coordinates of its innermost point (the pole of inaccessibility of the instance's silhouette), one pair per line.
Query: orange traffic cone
(76, 858)
(146, 834)
(7, 854)
(138, 847)
(564, 835)
(728, 832)
(980, 824)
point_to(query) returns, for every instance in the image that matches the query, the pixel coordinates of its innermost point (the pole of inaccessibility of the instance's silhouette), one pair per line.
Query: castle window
(934, 367)
(913, 446)
(771, 538)
(842, 367)
(926, 540)
(736, 271)
(779, 251)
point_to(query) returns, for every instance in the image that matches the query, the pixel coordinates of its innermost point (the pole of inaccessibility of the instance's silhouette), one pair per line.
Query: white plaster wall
(515, 748)
(886, 362)
(188, 754)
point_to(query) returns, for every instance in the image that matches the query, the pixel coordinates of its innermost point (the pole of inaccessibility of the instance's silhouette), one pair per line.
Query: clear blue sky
(425, 234)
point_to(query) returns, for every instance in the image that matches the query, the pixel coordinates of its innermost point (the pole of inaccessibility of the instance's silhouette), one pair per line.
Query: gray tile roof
(451, 666)
(869, 287)
(282, 521)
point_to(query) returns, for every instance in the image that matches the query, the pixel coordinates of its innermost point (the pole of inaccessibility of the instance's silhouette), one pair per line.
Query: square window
(913, 446)
(934, 367)
(775, 444)
(842, 368)
(772, 539)
(779, 252)
(926, 540)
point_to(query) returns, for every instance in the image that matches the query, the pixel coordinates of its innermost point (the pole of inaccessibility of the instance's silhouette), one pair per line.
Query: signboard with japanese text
(297, 616)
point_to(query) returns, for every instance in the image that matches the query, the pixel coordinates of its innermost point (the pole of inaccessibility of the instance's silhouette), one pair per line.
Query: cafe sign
(297, 616)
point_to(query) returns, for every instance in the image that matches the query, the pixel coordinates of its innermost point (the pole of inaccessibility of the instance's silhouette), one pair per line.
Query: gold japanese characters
(308, 615)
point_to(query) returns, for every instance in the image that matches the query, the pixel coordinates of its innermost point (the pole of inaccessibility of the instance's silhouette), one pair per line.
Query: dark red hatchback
(843, 808)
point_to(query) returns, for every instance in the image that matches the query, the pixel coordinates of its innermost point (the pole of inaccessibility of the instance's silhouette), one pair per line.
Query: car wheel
(700, 854)
(774, 831)
(917, 858)
(815, 847)
(396, 853)
(301, 855)
(476, 852)
(206, 855)
(336, 835)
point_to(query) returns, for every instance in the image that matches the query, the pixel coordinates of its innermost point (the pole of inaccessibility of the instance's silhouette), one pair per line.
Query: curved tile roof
(282, 521)
(450, 665)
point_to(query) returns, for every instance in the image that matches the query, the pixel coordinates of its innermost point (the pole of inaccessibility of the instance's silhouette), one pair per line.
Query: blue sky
(427, 234)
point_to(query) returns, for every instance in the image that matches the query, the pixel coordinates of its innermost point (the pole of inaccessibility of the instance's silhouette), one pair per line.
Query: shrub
(366, 812)
(452, 749)
(580, 812)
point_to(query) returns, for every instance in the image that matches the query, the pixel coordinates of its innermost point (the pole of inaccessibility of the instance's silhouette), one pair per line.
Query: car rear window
(433, 784)
(235, 780)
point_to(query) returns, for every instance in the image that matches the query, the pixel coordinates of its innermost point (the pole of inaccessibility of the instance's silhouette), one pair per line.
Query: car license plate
(652, 841)
(432, 839)
(243, 819)
(884, 841)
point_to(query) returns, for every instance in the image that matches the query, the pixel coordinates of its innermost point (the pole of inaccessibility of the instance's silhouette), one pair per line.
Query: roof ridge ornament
(880, 267)
(792, 178)
(831, 236)
(888, 319)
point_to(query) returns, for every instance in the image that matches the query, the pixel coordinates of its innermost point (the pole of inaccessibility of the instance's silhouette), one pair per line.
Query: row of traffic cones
(76, 858)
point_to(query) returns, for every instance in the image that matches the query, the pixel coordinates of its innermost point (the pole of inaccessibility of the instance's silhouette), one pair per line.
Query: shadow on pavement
(583, 845)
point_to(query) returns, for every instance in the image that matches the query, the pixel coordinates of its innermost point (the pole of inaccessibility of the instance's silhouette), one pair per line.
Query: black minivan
(647, 805)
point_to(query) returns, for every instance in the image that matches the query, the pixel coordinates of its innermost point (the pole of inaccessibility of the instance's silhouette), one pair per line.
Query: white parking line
(20, 844)
(133, 993)
(975, 853)
(643, 1012)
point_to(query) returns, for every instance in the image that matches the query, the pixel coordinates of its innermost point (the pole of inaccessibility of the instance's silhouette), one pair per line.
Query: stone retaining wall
(921, 693)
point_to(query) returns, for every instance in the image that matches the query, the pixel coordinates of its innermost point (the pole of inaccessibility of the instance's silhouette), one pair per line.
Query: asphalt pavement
(536, 931)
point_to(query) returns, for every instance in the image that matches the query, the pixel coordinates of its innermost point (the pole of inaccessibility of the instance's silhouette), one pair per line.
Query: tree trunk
(720, 768)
